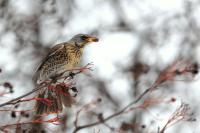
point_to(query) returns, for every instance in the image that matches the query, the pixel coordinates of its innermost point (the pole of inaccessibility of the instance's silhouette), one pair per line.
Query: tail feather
(58, 97)
(40, 105)
(54, 106)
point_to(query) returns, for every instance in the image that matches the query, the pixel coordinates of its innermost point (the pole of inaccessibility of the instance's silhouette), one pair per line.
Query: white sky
(113, 49)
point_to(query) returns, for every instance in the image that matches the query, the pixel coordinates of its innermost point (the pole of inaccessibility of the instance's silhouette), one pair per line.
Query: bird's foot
(71, 74)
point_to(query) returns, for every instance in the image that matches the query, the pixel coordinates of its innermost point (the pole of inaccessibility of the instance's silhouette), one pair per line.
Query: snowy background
(152, 33)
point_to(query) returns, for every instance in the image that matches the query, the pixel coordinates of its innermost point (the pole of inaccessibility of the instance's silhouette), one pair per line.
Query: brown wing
(53, 50)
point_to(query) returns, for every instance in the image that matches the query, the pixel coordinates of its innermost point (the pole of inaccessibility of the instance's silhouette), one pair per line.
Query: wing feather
(57, 48)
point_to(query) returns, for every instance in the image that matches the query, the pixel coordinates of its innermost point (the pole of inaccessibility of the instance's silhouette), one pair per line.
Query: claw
(71, 74)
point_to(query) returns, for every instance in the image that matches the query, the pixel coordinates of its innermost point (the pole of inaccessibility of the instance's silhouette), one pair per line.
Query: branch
(180, 114)
(179, 67)
(102, 120)
(17, 100)
(37, 121)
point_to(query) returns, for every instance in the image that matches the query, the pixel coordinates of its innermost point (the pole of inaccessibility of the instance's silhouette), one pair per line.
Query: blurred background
(138, 39)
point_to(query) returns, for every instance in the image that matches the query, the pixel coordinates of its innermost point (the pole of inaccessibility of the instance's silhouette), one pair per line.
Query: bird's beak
(92, 39)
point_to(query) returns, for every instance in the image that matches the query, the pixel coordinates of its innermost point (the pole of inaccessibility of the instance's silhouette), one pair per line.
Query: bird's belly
(57, 69)
(51, 71)
(73, 64)
(58, 65)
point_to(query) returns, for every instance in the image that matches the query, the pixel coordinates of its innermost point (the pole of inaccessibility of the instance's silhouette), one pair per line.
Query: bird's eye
(83, 37)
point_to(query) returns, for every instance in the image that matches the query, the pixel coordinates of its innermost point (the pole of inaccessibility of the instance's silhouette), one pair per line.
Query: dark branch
(103, 120)
(17, 100)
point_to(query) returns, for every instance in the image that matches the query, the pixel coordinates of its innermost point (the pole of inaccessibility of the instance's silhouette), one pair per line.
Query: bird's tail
(52, 101)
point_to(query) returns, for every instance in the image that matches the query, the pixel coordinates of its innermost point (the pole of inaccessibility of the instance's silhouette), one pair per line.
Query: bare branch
(44, 84)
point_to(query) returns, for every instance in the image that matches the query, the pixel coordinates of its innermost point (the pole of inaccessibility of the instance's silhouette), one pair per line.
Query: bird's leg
(56, 77)
(71, 74)
(53, 79)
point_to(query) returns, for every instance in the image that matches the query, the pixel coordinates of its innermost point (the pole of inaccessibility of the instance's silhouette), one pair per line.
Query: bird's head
(82, 40)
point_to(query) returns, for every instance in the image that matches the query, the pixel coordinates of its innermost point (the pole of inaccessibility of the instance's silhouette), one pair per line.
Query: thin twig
(179, 67)
(14, 101)
(38, 121)
(17, 100)
(180, 114)
(77, 128)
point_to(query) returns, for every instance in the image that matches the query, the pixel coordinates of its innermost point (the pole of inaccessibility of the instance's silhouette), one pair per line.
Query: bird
(61, 57)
